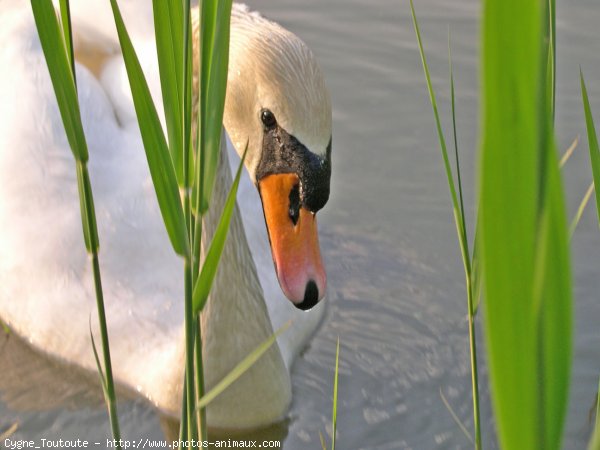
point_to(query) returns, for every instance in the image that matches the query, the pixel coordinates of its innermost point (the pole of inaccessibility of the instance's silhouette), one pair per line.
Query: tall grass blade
(442, 141)
(98, 364)
(190, 323)
(242, 367)
(183, 431)
(552, 294)
(155, 144)
(335, 395)
(581, 209)
(168, 28)
(592, 140)
(106, 381)
(595, 440)
(567, 155)
(524, 239)
(110, 386)
(455, 417)
(199, 378)
(188, 155)
(86, 207)
(598, 408)
(214, 60)
(551, 61)
(61, 75)
(472, 308)
(65, 19)
(322, 440)
(86, 200)
(58, 52)
(509, 181)
(457, 160)
(194, 368)
(211, 262)
(459, 215)
(476, 270)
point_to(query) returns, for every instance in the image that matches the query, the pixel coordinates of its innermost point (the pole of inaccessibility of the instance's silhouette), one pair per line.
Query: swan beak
(294, 240)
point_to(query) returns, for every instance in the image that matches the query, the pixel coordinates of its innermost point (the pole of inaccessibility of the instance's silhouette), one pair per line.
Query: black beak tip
(311, 296)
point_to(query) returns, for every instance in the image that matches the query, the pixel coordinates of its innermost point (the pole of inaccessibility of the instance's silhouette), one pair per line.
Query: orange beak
(294, 240)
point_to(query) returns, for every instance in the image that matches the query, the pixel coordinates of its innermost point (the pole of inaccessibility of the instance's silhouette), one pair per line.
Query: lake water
(396, 285)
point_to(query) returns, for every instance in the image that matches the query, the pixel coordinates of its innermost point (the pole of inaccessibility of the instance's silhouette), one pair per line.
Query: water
(397, 298)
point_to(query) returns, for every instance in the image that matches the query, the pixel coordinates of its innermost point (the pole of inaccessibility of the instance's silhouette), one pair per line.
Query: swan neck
(235, 320)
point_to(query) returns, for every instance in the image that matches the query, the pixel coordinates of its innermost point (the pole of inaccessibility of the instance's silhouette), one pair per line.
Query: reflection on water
(396, 297)
(30, 379)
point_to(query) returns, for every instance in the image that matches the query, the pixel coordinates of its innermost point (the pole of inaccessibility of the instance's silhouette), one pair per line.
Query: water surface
(396, 297)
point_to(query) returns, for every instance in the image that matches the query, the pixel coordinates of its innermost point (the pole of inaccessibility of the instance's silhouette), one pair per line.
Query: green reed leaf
(241, 368)
(598, 408)
(98, 364)
(86, 207)
(168, 28)
(552, 295)
(550, 42)
(58, 52)
(155, 144)
(455, 417)
(65, 19)
(213, 256)
(214, 60)
(581, 208)
(509, 181)
(567, 155)
(524, 236)
(335, 395)
(322, 440)
(594, 443)
(53, 46)
(592, 140)
(476, 270)
(460, 226)
(459, 215)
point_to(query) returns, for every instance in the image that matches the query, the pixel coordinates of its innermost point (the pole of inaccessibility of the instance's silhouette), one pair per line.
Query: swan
(277, 102)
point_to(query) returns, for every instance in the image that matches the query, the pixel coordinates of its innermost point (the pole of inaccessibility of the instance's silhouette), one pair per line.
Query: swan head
(278, 105)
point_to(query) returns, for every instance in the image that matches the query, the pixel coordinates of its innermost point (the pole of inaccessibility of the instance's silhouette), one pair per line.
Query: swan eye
(268, 118)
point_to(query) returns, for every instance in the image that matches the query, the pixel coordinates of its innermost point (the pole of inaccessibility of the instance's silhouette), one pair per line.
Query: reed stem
(197, 240)
(474, 373)
(183, 430)
(468, 269)
(459, 217)
(92, 244)
(111, 399)
(200, 389)
(189, 355)
(92, 241)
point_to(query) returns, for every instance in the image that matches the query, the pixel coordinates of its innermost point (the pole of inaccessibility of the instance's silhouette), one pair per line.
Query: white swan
(277, 101)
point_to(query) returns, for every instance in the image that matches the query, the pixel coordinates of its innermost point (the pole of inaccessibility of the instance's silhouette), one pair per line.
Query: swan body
(46, 285)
